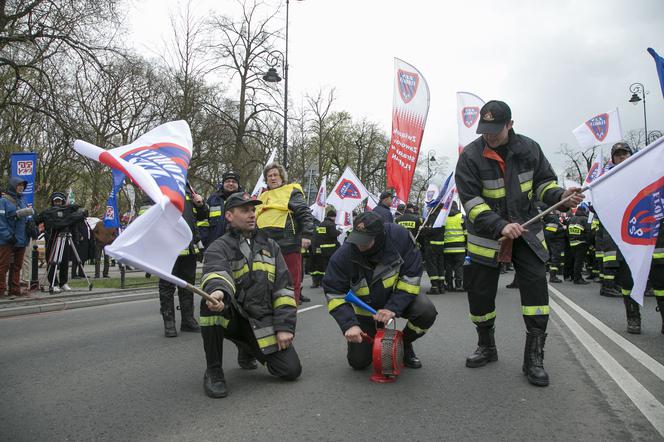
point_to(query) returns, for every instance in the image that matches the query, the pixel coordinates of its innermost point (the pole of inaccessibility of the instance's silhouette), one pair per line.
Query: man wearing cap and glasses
(245, 272)
(380, 263)
(499, 177)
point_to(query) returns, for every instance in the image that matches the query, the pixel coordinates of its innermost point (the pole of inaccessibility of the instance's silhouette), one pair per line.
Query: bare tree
(578, 162)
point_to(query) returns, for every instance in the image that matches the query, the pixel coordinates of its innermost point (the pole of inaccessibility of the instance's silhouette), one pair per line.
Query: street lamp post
(430, 158)
(273, 77)
(636, 89)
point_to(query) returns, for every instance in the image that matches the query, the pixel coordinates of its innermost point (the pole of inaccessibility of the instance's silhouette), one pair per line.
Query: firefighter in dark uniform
(554, 234)
(454, 248)
(215, 225)
(591, 258)
(578, 230)
(323, 246)
(383, 207)
(381, 264)
(195, 210)
(245, 272)
(433, 239)
(657, 271)
(499, 177)
(409, 220)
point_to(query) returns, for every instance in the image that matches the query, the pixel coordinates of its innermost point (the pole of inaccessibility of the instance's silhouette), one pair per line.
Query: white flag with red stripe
(157, 162)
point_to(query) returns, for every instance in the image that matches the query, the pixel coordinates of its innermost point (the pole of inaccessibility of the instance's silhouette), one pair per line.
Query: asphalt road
(107, 373)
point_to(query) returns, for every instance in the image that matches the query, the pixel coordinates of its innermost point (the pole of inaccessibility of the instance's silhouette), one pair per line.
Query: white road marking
(649, 406)
(644, 358)
(308, 308)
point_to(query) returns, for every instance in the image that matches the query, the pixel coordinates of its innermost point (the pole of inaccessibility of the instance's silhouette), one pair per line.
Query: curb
(72, 304)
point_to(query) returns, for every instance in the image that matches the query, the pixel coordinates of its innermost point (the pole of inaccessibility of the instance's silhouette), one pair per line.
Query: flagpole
(202, 293)
(427, 218)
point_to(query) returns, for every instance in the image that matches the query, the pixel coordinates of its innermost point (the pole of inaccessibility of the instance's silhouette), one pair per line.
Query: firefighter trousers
(184, 268)
(579, 252)
(454, 270)
(482, 285)
(229, 324)
(434, 261)
(421, 314)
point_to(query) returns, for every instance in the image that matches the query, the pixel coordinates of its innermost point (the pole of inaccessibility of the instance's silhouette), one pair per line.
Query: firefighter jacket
(455, 233)
(496, 191)
(409, 221)
(578, 230)
(253, 275)
(553, 228)
(285, 217)
(214, 226)
(385, 212)
(325, 241)
(389, 280)
(191, 214)
(658, 253)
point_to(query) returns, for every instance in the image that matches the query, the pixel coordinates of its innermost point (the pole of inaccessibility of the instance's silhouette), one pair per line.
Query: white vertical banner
(318, 207)
(468, 115)
(261, 184)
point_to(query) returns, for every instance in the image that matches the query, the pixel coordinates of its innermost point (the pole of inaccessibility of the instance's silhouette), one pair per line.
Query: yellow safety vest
(455, 240)
(274, 211)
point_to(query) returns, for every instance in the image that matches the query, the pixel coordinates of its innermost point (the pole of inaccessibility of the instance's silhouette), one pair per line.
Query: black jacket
(384, 211)
(254, 277)
(493, 198)
(391, 280)
(409, 221)
(325, 240)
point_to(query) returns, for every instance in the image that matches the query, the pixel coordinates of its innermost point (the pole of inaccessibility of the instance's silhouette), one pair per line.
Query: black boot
(633, 316)
(168, 313)
(553, 278)
(609, 289)
(214, 383)
(245, 359)
(514, 284)
(533, 358)
(486, 348)
(434, 288)
(660, 309)
(188, 323)
(409, 358)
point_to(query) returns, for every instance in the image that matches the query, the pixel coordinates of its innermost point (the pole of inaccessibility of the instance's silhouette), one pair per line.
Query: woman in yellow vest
(286, 218)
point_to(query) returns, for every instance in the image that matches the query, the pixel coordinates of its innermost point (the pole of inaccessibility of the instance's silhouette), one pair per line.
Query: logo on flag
(110, 213)
(599, 126)
(595, 172)
(347, 189)
(640, 223)
(408, 83)
(430, 195)
(166, 162)
(469, 115)
(24, 167)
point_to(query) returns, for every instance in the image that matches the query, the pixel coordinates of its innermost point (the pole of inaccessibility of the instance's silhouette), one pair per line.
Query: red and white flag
(629, 199)
(260, 183)
(157, 162)
(318, 207)
(601, 129)
(468, 115)
(409, 116)
(348, 193)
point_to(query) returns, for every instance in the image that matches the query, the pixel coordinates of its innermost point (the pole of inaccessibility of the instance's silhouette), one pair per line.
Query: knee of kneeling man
(292, 373)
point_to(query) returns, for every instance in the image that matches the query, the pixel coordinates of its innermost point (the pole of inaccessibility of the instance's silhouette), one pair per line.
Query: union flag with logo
(348, 193)
(600, 129)
(629, 199)
(410, 107)
(468, 113)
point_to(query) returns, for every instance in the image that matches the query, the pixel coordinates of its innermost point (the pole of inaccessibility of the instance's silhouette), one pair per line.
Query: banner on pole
(318, 207)
(601, 129)
(410, 107)
(468, 115)
(348, 193)
(24, 166)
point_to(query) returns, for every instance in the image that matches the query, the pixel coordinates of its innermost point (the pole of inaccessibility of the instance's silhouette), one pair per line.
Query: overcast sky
(556, 63)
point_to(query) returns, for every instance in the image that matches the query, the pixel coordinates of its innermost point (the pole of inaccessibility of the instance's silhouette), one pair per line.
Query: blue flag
(111, 217)
(659, 63)
(443, 190)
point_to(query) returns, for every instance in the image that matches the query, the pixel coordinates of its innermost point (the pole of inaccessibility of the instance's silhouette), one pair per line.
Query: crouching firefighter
(246, 273)
(381, 264)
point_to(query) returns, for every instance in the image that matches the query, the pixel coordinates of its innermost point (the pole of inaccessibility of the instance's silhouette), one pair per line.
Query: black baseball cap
(366, 226)
(494, 115)
(230, 175)
(621, 145)
(240, 199)
(385, 194)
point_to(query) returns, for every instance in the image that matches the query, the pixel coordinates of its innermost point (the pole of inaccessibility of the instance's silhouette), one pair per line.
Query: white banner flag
(601, 129)
(468, 115)
(157, 162)
(318, 208)
(629, 200)
(446, 203)
(372, 202)
(261, 184)
(348, 193)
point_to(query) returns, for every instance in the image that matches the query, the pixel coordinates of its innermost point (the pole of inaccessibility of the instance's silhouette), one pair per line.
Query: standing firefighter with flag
(245, 271)
(499, 177)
